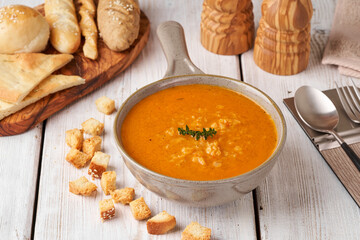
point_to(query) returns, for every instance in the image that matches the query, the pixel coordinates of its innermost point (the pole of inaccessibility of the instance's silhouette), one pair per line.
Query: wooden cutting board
(96, 73)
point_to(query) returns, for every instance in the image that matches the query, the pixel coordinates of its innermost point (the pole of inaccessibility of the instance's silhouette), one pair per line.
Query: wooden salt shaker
(282, 44)
(227, 26)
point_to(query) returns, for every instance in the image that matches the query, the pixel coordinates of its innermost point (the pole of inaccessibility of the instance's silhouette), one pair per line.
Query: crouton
(74, 138)
(98, 164)
(77, 158)
(82, 186)
(93, 127)
(124, 196)
(107, 209)
(91, 145)
(105, 105)
(194, 231)
(161, 223)
(108, 182)
(139, 209)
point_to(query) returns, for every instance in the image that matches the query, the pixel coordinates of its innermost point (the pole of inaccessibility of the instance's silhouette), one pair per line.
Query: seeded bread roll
(64, 28)
(22, 30)
(118, 23)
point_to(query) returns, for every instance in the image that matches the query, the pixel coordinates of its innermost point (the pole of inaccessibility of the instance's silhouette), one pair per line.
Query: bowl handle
(172, 39)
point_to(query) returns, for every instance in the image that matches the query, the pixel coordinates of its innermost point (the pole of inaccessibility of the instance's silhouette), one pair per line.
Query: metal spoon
(318, 112)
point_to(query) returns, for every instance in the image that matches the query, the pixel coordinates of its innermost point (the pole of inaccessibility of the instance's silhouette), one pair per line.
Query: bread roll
(64, 28)
(118, 23)
(88, 28)
(22, 30)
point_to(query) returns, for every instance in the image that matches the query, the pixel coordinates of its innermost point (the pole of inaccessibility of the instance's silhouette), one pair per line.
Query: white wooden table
(301, 199)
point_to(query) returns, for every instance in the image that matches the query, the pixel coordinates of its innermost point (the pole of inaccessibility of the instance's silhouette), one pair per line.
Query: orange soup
(245, 133)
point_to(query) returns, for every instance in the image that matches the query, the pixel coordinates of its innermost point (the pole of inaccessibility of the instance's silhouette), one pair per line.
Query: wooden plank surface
(19, 159)
(18, 174)
(302, 198)
(345, 169)
(62, 215)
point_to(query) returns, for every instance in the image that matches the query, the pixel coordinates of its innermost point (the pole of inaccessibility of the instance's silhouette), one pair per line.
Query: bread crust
(98, 164)
(64, 28)
(118, 23)
(161, 223)
(95, 170)
(107, 209)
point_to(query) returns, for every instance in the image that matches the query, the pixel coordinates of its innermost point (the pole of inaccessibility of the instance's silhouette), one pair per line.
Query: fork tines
(350, 99)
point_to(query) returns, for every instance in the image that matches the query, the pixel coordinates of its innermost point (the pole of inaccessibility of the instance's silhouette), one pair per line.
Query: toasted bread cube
(108, 182)
(93, 127)
(77, 158)
(139, 209)
(82, 186)
(91, 145)
(124, 196)
(107, 209)
(194, 231)
(74, 138)
(98, 164)
(105, 105)
(161, 223)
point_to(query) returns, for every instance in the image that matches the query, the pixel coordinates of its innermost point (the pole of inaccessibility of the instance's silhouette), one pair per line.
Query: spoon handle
(351, 154)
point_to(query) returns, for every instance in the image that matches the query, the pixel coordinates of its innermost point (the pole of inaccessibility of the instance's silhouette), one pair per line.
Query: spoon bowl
(316, 109)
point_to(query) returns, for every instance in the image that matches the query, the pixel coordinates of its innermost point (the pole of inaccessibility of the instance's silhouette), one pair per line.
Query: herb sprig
(197, 134)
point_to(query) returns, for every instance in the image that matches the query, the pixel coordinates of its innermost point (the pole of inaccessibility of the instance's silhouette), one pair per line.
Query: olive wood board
(95, 72)
(335, 157)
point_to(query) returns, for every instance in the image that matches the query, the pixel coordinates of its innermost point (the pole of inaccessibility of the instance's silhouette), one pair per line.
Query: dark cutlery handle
(351, 154)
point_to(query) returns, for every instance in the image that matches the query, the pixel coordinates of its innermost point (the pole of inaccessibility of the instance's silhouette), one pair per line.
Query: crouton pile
(84, 150)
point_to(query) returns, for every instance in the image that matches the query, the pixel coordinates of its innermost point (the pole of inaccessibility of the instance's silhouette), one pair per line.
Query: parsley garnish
(197, 134)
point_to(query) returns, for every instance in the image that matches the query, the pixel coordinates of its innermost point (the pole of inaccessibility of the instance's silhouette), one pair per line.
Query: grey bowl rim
(208, 182)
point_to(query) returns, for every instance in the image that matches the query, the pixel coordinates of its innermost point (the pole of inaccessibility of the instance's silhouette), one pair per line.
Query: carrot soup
(199, 132)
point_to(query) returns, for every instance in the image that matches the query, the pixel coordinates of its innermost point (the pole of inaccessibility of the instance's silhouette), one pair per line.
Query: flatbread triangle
(21, 73)
(51, 84)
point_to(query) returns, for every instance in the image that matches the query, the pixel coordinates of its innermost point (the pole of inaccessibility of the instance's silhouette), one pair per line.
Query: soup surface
(245, 133)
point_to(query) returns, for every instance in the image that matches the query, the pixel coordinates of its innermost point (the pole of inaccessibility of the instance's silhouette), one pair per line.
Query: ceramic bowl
(201, 193)
(181, 71)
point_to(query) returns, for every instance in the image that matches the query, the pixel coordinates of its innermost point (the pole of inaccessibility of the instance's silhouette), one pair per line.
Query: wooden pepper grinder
(227, 26)
(282, 44)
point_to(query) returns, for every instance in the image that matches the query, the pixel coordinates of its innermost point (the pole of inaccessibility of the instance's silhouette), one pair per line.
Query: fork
(350, 103)
(349, 100)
